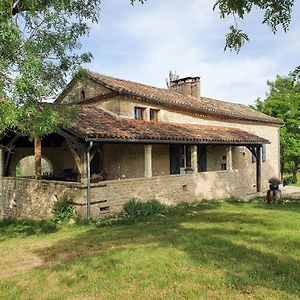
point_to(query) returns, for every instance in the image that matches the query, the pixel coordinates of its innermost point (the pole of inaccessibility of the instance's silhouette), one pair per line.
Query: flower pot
(274, 187)
(95, 180)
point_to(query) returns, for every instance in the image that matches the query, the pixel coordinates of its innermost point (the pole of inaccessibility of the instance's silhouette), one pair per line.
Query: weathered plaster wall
(242, 157)
(128, 160)
(90, 88)
(27, 166)
(61, 158)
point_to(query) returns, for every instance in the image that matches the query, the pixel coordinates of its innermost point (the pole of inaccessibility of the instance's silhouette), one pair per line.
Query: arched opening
(26, 167)
(82, 95)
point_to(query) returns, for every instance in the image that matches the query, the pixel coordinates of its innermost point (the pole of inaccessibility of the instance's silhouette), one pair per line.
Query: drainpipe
(88, 192)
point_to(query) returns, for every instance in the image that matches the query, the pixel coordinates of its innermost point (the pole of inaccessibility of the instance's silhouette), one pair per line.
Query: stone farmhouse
(141, 142)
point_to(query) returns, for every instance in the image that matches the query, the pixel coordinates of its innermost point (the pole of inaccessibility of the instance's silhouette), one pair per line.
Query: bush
(63, 209)
(288, 180)
(137, 208)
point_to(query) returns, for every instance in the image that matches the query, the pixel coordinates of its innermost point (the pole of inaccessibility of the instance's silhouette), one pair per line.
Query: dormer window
(82, 95)
(139, 113)
(154, 114)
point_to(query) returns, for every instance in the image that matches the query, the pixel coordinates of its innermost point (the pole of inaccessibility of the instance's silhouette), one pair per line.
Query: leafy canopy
(275, 13)
(39, 43)
(283, 101)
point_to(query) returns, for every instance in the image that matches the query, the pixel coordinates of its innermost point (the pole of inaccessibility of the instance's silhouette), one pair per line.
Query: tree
(283, 101)
(39, 41)
(275, 13)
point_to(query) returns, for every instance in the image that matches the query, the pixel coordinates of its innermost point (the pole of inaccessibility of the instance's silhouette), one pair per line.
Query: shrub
(137, 208)
(63, 209)
(288, 180)
(274, 180)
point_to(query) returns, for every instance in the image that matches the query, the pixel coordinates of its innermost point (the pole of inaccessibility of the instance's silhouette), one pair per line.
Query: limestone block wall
(168, 189)
(90, 88)
(28, 198)
(270, 132)
(32, 199)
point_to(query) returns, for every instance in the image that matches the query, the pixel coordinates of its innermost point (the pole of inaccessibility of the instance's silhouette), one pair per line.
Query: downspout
(88, 192)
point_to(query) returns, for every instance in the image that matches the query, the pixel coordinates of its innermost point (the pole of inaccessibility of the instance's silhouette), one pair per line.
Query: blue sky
(143, 42)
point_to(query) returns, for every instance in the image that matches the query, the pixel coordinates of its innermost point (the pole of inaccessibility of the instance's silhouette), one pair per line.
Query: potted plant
(95, 178)
(189, 171)
(274, 183)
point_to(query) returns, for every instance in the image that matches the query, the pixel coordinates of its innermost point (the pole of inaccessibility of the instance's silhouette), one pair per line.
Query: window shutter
(264, 152)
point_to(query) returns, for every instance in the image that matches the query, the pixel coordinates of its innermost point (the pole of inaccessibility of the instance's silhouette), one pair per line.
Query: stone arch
(25, 166)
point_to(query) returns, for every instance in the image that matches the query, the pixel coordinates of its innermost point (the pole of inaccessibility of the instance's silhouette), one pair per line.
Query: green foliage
(137, 208)
(287, 180)
(63, 209)
(283, 101)
(39, 50)
(23, 228)
(221, 251)
(274, 180)
(275, 13)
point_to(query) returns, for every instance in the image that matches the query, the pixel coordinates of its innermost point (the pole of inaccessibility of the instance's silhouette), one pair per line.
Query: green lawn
(207, 251)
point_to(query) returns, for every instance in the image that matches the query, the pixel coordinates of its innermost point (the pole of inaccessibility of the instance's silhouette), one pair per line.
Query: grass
(211, 250)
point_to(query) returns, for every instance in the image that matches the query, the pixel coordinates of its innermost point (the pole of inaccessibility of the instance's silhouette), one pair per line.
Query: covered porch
(166, 161)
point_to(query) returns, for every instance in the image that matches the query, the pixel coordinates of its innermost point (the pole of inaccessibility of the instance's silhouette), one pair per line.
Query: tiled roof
(93, 122)
(174, 99)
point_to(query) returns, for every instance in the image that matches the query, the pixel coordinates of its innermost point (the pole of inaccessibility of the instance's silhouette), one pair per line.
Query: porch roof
(95, 124)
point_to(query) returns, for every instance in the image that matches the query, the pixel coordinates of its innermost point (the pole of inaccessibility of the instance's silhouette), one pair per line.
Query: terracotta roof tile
(174, 99)
(93, 122)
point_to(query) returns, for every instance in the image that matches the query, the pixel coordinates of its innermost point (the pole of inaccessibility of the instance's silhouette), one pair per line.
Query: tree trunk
(38, 158)
(295, 172)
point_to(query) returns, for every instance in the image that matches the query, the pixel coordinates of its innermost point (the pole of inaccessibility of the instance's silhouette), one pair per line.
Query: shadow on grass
(23, 228)
(236, 243)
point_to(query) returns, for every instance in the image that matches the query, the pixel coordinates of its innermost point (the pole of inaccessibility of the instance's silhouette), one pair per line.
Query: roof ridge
(169, 97)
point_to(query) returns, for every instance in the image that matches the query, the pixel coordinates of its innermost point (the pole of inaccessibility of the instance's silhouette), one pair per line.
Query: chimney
(189, 86)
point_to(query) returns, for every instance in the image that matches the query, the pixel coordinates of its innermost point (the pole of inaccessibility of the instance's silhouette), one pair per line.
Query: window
(180, 158)
(82, 95)
(139, 113)
(263, 154)
(154, 114)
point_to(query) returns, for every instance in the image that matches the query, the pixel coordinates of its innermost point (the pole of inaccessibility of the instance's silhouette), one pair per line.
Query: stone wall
(243, 162)
(60, 158)
(27, 166)
(32, 199)
(28, 198)
(110, 196)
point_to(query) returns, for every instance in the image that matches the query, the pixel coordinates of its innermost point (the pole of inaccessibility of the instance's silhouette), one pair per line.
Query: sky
(143, 42)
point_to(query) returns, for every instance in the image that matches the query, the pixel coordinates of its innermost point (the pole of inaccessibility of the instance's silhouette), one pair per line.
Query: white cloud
(143, 43)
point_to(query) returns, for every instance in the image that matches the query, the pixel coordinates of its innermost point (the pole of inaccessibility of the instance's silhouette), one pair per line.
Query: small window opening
(139, 113)
(154, 114)
(223, 167)
(82, 95)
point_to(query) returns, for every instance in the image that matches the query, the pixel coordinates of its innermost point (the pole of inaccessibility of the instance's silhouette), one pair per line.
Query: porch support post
(148, 161)
(1, 183)
(1, 163)
(229, 158)
(38, 158)
(194, 158)
(258, 169)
